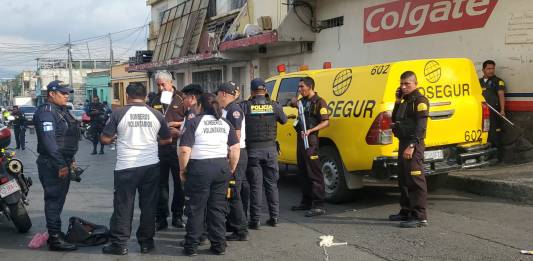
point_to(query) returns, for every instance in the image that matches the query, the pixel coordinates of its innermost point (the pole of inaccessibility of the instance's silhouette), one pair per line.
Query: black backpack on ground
(84, 233)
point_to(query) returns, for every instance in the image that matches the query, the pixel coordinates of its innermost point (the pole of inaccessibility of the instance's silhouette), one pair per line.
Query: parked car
(28, 112)
(77, 114)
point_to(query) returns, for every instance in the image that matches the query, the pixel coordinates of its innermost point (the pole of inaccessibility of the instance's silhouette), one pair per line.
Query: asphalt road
(461, 226)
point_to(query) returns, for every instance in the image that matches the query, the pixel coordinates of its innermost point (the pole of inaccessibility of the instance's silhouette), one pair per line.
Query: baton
(304, 126)
(499, 114)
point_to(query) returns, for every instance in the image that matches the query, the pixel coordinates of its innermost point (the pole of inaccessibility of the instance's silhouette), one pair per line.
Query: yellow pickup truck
(359, 141)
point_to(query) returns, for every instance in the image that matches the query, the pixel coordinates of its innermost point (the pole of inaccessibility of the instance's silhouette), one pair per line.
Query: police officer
(245, 186)
(98, 115)
(19, 126)
(206, 171)
(494, 94)
(262, 115)
(226, 97)
(57, 143)
(168, 155)
(312, 180)
(191, 95)
(410, 115)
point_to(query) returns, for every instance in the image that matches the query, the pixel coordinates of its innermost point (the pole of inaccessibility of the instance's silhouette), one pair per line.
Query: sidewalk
(514, 182)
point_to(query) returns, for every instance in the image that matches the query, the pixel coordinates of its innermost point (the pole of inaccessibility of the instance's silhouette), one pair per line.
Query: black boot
(177, 221)
(147, 246)
(161, 224)
(114, 249)
(56, 242)
(101, 149)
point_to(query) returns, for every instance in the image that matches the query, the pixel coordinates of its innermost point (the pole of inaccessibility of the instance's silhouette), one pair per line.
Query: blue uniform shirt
(49, 126)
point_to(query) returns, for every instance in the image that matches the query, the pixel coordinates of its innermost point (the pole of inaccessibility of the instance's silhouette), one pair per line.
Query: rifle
(301, 118)
(499, 114)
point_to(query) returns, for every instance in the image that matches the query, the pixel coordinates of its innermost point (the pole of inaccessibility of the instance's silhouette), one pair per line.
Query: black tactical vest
(67, 142)
(261, 125)
(405, 118)
(490, 91)
(311, 113)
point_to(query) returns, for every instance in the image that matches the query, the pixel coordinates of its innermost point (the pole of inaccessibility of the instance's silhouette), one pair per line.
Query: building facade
(252, 40)
(49, 69)
(98, 84)
(120, 80)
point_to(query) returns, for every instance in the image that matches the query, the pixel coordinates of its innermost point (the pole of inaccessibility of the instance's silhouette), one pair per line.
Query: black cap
(193, 89)
(228, 87)
(58, 86)
(257, 84)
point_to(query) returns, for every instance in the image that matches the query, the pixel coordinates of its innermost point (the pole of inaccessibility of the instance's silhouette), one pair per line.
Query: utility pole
(22, 84)
(69, 56)
(89, 52)
(110, 90)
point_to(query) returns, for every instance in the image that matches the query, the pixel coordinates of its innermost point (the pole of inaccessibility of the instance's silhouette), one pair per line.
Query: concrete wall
(276, 9)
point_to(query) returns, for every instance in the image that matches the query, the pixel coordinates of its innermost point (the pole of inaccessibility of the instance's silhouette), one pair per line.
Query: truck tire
(435, 182)
(20, 217)
(333, 170)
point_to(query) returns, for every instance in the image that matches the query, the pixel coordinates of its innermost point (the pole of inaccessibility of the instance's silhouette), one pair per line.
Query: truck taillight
(485, 117)
(380, 133)
(3, 180)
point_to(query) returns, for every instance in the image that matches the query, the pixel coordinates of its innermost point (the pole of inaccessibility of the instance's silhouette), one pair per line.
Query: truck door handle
(440, 115)
(291, 116)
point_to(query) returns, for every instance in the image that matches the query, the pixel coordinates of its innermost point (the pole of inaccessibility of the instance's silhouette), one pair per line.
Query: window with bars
(209, 80)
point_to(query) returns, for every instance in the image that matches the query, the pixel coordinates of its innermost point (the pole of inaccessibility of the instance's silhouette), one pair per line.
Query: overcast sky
(45, 22)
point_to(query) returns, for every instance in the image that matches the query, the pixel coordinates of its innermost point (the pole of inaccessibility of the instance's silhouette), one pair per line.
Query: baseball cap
(257, 83)
(58, 86)
(228, 87)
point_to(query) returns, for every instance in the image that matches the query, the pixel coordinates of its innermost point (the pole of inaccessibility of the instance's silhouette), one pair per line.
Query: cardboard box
(265, 22)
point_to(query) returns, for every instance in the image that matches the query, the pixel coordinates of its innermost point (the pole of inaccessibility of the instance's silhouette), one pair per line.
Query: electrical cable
(312, 24)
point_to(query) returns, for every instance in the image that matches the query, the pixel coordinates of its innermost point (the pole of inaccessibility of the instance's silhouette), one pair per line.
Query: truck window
(288, 88)
(270, 86)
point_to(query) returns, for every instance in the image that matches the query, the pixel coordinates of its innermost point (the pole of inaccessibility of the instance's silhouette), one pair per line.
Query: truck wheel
(333, 170)
(20, 217)
(435, 182)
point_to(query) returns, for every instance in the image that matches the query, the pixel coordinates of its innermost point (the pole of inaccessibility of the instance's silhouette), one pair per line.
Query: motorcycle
(85, 127)
(14, 186)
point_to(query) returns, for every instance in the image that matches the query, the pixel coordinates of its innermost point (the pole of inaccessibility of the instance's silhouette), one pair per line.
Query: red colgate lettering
(401, 19)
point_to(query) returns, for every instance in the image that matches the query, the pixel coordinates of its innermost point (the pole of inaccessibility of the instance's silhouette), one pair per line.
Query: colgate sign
(401, 19)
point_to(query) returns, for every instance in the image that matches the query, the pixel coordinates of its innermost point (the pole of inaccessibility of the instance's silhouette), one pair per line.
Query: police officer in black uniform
(98, 114)
(191, 95)
(410, 115)
(206, 168)
(168, 154)
(57, 143)
(19, 126)
(312, 180)
(262, 115)
(494, 94)
(227, 94)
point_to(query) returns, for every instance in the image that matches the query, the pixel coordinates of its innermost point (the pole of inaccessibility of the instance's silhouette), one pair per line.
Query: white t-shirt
(208, 137)
(137, 128)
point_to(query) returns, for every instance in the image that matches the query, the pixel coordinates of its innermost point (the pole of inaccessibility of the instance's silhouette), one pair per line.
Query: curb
(493, 188)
